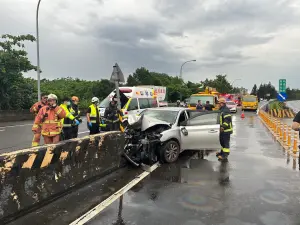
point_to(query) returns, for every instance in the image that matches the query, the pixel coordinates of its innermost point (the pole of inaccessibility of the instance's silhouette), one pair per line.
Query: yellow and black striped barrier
(282, 113)
(282, 132)
(35, 175)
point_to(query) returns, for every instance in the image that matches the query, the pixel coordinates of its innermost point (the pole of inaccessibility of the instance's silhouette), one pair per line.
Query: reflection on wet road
(258, 185)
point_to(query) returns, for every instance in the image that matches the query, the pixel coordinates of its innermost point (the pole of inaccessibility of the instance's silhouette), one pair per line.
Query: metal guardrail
(294, 105)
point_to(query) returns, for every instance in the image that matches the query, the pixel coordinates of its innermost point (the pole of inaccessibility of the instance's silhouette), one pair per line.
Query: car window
(144, 103)
(153, 103)
(182, 118)
(193, 113)
(164, 115)
(133, 105)
(204, 119)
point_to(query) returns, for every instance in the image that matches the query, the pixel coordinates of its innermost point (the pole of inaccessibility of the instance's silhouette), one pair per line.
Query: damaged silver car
(161, 134)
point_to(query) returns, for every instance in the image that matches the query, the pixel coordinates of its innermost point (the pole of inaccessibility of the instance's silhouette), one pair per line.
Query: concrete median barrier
(32, 176)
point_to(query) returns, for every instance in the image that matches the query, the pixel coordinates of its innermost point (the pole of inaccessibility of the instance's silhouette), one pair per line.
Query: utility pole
(38, 51)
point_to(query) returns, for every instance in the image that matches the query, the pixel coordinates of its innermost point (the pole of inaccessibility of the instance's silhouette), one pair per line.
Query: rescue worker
(296, 123)
(199, 106)
(93, 117)
(208, 106)
(69, 120)
(76, 113)
(35, 110)
(113, 116)
(50, 117)
(225, 130)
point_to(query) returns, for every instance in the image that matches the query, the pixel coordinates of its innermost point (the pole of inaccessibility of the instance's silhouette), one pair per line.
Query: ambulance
(133, 100)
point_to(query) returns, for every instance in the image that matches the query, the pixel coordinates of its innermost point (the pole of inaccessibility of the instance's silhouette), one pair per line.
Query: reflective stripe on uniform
(51, 133)
(59, 111)
(227, 150)
(51, 121)
(35, 126)
(34, 144)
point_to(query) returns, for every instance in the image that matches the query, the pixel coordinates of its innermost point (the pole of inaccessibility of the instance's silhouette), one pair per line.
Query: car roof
(176, 109)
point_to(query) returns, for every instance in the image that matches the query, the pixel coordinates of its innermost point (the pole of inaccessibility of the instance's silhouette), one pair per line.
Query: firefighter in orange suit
(50, 117)
(35, 110)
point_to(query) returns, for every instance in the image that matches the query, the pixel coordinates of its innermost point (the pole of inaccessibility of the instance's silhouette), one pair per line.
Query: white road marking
(96, 210)
(83, 132)
(2, 130)
(21, 125)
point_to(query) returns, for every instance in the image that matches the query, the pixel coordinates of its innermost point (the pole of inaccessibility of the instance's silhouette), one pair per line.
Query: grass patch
(275, 105)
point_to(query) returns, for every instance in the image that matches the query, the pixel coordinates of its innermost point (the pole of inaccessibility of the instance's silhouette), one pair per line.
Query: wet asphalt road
(18, 135)
(259, 185)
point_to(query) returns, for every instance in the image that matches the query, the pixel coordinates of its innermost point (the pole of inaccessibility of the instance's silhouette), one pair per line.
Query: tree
(220, 83)
(266, 89)
(254, 90)
(15, 91)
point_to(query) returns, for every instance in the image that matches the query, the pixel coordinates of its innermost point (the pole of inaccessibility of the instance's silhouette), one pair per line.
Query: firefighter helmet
(52, 96)
(95, 99)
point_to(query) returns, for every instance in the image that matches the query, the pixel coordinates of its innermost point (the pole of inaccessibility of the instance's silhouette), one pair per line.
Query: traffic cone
(243, 115)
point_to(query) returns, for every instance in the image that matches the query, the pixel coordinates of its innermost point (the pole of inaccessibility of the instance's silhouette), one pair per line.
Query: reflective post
(289, 136)
(295, 148)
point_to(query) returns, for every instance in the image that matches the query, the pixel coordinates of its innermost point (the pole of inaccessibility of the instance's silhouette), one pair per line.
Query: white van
(133, 101)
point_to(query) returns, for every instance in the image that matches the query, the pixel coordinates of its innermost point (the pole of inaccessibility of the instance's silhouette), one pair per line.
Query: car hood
(144, 122)
(231, 106)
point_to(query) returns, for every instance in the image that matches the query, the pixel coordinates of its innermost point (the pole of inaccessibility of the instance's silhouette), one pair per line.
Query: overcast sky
(255, 40)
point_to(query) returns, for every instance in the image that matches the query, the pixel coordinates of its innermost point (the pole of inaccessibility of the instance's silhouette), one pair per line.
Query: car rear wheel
(170, 151)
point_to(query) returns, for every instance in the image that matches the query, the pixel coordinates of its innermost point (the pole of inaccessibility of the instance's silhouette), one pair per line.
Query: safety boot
(219, 153)
(223, 156)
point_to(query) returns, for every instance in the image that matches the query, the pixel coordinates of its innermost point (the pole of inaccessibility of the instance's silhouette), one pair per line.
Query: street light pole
(38, 51)
(180, 76)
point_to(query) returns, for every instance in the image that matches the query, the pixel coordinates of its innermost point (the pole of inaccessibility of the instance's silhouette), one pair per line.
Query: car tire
(169, 151)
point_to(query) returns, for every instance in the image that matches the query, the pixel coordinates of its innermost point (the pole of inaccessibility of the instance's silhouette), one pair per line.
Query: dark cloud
(84, 39)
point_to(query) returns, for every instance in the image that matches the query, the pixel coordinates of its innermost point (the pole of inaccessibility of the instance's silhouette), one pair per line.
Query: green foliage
(275, 105)
(15, 91)
(85, 90)
(254, 90)
(265, 89)
(293, 94)
(176, 87)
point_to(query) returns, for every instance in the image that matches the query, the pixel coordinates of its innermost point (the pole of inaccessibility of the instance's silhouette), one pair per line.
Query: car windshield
(194, 99)
(230, 103)
(104, 103)
(164, 115)
(249, 99)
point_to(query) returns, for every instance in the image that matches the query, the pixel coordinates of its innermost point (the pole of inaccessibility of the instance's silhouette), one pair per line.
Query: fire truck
(210, 94)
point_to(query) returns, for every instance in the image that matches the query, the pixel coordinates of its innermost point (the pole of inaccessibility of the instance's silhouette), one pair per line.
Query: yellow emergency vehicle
(249, 102)
(210, 94)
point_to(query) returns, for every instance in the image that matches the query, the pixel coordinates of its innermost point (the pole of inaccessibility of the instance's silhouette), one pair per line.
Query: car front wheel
(170, 151)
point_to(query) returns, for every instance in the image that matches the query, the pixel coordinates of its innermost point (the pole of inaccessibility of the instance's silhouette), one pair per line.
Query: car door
(201, 131)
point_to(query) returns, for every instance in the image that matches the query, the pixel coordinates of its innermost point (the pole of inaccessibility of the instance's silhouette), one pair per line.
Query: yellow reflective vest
(93, 113)
(67, 122)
